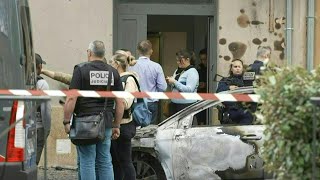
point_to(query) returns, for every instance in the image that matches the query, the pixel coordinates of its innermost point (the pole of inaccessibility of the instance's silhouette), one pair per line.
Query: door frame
(176, 9)
(162, 9)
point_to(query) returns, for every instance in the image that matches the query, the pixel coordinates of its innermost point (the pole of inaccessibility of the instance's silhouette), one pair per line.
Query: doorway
(170, 27)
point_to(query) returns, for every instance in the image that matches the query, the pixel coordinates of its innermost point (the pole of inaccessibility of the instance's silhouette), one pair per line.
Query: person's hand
(170, 80)
(115, 133)
(67, 128)
(233, 87)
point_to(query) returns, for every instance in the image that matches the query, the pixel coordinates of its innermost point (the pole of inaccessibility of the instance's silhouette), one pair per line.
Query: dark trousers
(121, 153)
(154, 109)
(240, 116)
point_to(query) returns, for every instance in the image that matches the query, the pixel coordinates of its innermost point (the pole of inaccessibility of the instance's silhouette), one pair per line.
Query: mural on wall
(245, 26)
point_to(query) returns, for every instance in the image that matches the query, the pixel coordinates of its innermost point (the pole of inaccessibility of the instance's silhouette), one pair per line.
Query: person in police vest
(43, 112)
(95, 160)
(237, 113)
(254, 70)
(66, 78)
(121, 148)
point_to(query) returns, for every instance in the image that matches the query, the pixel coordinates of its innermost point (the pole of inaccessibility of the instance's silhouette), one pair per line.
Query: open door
(131, 30)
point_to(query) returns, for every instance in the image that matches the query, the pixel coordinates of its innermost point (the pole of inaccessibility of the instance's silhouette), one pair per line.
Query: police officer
(237, 113)
(95, 160)
(254, 70)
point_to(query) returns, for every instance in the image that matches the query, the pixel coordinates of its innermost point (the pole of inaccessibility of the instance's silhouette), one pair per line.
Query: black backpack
(127, 113)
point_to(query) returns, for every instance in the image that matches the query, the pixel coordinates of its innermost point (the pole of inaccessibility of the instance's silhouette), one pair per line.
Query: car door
(217, 152)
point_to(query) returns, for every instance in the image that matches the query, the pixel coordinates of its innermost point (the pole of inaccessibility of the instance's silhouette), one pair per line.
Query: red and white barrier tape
(124, 94)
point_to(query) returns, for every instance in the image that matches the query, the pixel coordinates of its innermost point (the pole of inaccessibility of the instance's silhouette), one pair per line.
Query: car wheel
(147, 167)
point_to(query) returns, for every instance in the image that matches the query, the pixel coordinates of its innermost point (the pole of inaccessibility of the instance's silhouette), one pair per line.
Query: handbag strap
(135, 79)
(137, 83)
(108, 86)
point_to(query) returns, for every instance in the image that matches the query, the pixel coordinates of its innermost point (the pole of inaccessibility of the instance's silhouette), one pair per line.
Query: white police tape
(123, 94)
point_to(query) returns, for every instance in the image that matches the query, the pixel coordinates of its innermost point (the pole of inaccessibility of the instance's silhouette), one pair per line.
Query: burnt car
(178, 149)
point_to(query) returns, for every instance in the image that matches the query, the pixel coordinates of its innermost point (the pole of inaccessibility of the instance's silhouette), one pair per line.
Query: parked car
(17, 71)
(177, 149)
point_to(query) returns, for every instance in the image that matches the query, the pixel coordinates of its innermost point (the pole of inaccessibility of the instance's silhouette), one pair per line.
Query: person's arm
(119, 104)
(222, 86)
(68, 110)
(58, 76)
(71, 101)
(191, 83)
(48, 73)
(119, 112)
(63, 77)
(161, 81)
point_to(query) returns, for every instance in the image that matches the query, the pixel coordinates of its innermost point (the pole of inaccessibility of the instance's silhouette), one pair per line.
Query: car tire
(147, 167)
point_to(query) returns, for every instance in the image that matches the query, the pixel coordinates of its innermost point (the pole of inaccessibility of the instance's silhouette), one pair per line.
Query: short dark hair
(144, 47)
(184, 53)
(203, 51)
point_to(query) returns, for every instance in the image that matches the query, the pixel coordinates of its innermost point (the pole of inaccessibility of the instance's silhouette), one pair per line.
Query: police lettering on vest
(99, 78)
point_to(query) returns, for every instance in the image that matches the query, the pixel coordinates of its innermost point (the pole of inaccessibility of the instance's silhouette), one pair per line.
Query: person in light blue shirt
(185, 79)
(150, 74)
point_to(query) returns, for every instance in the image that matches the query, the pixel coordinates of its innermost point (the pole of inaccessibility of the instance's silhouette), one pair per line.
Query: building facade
(228, 29)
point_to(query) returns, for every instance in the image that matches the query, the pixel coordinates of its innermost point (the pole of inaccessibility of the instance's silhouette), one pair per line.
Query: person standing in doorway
(202, 70)
(43, 112)
(150, 74)
(185, 80)
(95, 160)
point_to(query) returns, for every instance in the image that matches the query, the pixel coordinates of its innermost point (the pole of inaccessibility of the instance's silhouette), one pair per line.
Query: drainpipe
(310, 34)
(289, 30)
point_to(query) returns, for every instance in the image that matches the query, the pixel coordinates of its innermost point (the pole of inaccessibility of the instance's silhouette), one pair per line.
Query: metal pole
(289, 30)
(310, 34)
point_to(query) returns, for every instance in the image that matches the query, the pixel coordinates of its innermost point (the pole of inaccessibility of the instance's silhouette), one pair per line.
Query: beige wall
(173, 42)
(244, 25)
(62, 30)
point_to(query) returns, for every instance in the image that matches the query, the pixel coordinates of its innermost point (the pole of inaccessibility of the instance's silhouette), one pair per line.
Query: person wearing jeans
(151, 76)
(95, 162)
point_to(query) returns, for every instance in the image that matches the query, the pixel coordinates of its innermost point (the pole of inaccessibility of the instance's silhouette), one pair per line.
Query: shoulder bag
(88, 130)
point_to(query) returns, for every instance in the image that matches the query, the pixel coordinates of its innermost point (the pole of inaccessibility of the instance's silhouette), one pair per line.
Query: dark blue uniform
(237, 113)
